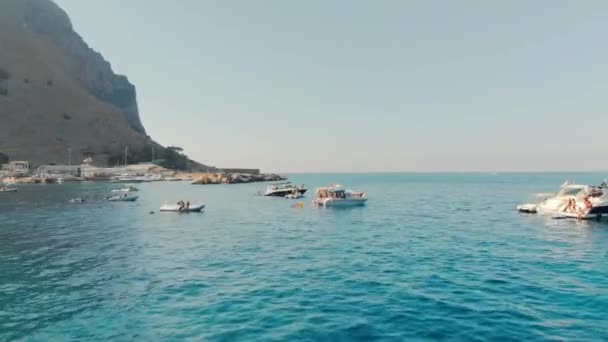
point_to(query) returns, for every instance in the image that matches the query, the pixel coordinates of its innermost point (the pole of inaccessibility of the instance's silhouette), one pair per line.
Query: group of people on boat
(580, 211)
(183, 206)
(325, 193)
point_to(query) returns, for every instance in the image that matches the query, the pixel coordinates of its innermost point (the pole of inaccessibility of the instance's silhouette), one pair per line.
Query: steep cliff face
(56, 92)
(85, 65)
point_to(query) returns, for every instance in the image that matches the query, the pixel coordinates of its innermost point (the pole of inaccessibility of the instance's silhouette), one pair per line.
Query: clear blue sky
(383, 85)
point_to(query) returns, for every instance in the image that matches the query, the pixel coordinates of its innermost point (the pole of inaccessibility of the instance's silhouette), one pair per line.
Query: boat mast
(69, 161)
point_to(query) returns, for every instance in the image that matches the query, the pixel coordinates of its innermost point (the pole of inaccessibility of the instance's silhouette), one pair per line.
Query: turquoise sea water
(431, 257)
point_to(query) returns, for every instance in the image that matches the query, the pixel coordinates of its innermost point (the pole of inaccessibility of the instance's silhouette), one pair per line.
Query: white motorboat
(77, 200)
(126, 189)
(193, 208)
(126, 178)
(171, 179)
(295, 195)
(123, 198)
(572, 201)
(337, 196)
(8, 189)
(284, 189)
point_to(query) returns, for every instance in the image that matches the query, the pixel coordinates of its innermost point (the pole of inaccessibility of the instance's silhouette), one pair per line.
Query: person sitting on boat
(180, 205)
(571, 206)
(587, 201)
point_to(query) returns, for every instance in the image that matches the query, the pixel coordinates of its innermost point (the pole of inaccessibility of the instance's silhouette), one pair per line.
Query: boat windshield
(570, 191)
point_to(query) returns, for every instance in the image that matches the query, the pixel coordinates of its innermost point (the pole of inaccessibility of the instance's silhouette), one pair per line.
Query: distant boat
(339, 197)
(172, 179)
(123, 198)
(127, 179)
(284, 189)
(193, 208)
(8, 189)
(126, 189)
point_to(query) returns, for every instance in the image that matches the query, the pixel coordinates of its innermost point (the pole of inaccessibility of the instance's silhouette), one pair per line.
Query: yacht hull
(342, 203)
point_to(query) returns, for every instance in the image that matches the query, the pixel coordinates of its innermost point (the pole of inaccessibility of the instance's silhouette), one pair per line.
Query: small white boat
(8, 189)
(172, 179)
(123, 198)
(193, 208)
(127, 179)
(572, 201)
(294, 196)
(77, 200)
(126, 189)
(284, 189)
(339, 197)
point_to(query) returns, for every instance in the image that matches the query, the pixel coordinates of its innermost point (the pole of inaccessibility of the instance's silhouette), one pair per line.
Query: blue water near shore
(431, 257)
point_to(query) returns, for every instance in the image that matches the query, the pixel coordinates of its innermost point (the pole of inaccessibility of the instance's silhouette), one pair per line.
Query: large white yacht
(337, 196)
(573, 200)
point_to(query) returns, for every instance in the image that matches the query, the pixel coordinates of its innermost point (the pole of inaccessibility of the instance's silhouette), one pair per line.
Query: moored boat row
(126, 194)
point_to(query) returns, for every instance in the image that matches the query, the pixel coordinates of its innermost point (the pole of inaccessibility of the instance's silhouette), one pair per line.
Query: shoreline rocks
(235, 178)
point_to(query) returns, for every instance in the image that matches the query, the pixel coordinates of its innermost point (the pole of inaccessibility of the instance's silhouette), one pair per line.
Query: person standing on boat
(587, 205)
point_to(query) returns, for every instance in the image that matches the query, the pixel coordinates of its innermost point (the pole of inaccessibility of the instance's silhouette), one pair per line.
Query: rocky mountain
(58, 93)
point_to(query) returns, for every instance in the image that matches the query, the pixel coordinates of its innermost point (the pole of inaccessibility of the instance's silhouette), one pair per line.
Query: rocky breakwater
(235, 178)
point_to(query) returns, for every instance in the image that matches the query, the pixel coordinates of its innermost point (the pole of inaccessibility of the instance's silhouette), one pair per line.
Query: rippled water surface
(432, 256)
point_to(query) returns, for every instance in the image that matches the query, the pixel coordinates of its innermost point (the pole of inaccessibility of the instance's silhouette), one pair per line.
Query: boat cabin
(331, 192)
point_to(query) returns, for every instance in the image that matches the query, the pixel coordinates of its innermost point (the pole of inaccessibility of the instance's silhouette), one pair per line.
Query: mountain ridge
(57, 93)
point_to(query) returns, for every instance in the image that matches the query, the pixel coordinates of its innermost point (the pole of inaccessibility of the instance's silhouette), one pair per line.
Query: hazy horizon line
(439, 172)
